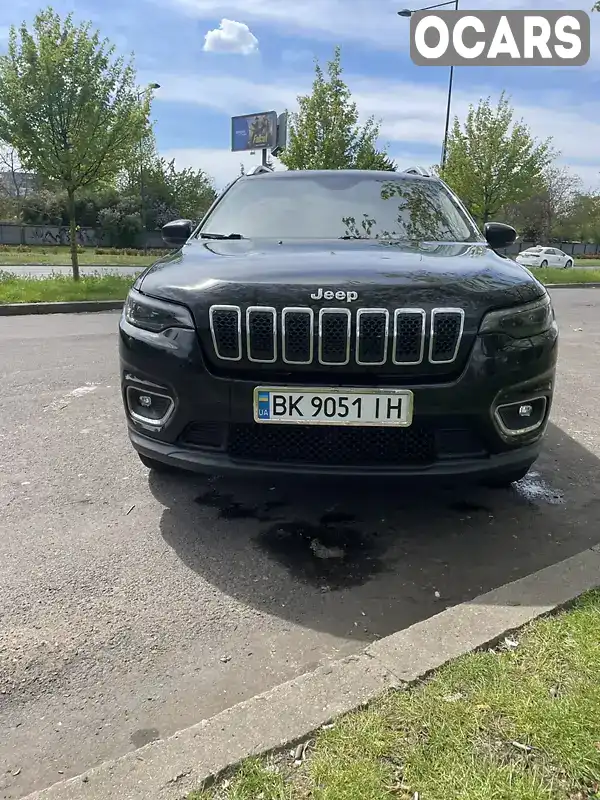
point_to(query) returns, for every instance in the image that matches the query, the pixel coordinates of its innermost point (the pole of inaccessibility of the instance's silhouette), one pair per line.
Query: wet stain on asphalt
(465, 506)
(231, 509)
(144, 736)
(336, 517)
(534, 490)
(330, 556)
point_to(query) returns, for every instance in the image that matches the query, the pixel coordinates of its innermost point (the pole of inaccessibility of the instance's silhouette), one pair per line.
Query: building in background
(17, 184)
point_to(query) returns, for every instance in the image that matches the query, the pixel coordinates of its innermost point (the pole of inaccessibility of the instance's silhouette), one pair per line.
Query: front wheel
(506, 479)
(156, 466)
(569, 264)
(544, 263)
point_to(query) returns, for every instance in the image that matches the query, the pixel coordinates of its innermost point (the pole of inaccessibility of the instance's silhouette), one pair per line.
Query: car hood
(268, 272)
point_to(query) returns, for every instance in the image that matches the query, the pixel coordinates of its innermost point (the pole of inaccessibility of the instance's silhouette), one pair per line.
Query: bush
(36, 248)
(130, 251)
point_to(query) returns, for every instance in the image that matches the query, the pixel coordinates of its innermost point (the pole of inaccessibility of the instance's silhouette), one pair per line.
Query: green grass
(14, 289)
(61, 256)
(465, 733)
(551, 275)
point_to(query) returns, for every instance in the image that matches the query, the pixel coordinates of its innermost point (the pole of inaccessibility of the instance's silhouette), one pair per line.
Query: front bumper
(219, 464)
(455, 432)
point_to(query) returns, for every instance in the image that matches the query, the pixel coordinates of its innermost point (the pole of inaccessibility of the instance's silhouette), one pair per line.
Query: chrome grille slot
(297, 335)
(446, 332)
(372, 333)
(261, 334)
(226, 331)
(334, 336)
(409, 336)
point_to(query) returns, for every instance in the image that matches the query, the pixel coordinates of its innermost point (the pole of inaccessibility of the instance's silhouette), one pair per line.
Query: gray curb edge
(86, 306)
(71, 307)
(291, 712)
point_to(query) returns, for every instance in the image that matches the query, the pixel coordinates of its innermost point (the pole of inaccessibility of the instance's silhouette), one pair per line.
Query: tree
(583, 221)
(540, 216)
(69, 108)
(324, 133)
(494, 161)
(169, 193)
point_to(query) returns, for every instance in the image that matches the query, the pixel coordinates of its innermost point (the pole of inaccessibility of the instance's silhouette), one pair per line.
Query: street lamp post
(407, 12)
(151, 87)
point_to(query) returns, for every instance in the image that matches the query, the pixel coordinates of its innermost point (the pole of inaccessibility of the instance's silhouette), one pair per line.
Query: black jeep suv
(339, 322)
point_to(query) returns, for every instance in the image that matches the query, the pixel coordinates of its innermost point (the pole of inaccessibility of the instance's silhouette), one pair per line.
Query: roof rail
(425, 173)
(261, 169)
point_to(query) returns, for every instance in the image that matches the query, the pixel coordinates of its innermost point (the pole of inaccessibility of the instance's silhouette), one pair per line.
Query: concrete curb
(290, 713)
(73, 307)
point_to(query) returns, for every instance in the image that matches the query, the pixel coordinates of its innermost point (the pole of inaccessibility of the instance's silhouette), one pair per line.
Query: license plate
(333, 406)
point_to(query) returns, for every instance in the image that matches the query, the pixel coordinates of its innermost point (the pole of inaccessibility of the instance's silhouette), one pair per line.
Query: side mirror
(499, 235)
(177, 232)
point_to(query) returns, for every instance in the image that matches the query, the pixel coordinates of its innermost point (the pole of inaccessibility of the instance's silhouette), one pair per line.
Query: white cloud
(231, 37)
(364, 21)
(414, 122)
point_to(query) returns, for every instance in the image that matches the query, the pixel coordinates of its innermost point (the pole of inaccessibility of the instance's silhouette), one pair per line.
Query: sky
(214, 59)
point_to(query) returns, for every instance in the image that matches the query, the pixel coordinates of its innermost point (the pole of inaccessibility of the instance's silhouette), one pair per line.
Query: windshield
(338, 205)
(533, 250)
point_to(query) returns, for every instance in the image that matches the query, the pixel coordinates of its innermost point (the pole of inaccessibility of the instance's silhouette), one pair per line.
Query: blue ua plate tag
(264, 405)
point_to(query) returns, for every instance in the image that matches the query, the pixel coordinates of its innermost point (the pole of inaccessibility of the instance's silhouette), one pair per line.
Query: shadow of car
(363, 559)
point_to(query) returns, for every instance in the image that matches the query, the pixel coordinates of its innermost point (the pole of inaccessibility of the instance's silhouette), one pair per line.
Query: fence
(33, 235)
(40, 235)
(571, 248)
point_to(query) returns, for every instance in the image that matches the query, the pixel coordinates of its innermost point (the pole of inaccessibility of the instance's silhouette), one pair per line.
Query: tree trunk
(73, 235)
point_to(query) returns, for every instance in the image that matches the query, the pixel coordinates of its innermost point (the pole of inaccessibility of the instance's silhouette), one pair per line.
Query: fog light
(516, 419)
(149, 408)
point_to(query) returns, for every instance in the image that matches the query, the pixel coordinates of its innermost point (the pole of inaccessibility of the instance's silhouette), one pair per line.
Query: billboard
(254, 131)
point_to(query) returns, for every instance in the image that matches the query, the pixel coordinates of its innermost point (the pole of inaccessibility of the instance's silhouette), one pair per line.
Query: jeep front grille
(335, 336)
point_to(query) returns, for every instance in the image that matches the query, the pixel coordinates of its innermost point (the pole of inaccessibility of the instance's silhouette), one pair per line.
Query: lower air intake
(332, 446)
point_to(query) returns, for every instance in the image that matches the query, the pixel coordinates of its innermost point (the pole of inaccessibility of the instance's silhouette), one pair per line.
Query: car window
(338, 205)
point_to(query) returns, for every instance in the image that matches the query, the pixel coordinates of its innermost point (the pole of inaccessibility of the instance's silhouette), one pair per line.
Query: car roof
(293, 174)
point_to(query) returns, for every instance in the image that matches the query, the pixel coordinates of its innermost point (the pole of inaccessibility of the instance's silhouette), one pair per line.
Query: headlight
(155, 315)
(520, 322)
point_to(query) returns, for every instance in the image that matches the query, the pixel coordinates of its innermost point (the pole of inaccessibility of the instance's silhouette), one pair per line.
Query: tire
(569, 264)
(506, 479)
(544, 264)
(156, 466)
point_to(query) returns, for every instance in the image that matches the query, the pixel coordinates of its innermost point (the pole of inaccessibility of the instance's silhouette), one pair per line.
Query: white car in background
(544, 257)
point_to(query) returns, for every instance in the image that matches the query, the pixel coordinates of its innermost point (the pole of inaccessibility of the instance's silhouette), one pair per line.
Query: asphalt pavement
(133, 606)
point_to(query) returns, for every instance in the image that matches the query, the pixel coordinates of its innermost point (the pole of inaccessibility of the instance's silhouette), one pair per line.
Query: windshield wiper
(221, 235)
